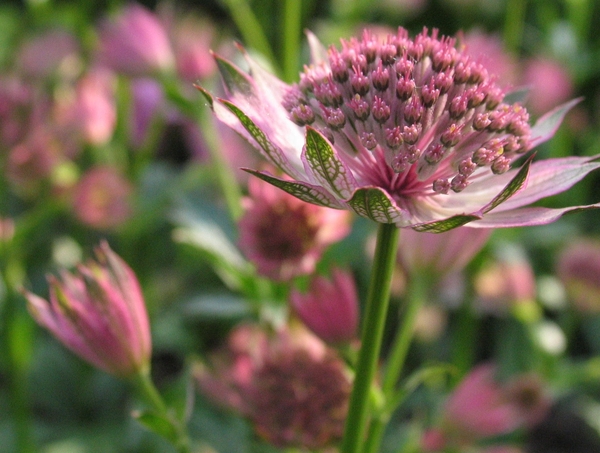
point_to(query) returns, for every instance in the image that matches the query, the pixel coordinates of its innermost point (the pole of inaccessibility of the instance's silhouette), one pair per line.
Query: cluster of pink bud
(432, 112)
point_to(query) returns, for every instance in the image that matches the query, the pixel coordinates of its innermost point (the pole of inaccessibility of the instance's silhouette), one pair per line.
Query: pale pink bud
(101, 198)
(284, 236)
(578, 268)
(135, 42)
(42, 55)
(98, 312)
(330, 308)
(550, 84)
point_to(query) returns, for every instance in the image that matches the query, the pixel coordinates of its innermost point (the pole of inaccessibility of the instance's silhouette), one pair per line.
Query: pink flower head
(43, 54)
(98, 312)
(409, 131)
(440, 254)
(135, 42)
(578, 268)
(148, 102)
(330, 308)
(293, 388)
(91, 113)
(550, 84)
(284, 236)
(101, 198)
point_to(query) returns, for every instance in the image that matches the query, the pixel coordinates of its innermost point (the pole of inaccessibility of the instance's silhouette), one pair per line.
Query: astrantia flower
(406, 131)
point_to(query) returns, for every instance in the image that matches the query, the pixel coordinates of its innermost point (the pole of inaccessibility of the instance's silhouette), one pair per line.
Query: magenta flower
(135, 42)
(98, 312)
(283, 236)
(330, 308)
(412, 132)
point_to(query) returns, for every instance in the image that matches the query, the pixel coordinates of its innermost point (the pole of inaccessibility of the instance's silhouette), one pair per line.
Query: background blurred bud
(41, 55)
(284, 236)
(101, 198)
(505, 282)
(550, 84)
(98, 312)
(578, 267)
(7, 229)
(135, 42)
(147, 104)
(440, 254)
(91, 111)
(330, 308)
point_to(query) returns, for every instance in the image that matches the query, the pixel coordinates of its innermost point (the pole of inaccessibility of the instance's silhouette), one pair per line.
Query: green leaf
(272, 152)
(450, 223)
(373, 203)
(327, 167)
(235, 79)
(302, 190)
(206, 95)
(158, 424)
(512, 187)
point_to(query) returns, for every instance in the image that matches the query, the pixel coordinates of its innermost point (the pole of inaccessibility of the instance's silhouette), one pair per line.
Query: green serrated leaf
(373, 203)
(450, 223)
(272, 152)
(236, 80)
(327, 167)
(303, 191)
(157, 424)
(511, 188)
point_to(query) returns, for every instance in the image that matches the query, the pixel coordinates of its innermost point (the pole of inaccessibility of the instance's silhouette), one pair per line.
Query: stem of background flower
(416, 295)
(514, 24)
(227, 180)
(148, 392)
(250, 28)
(292, 21)
(372, 334)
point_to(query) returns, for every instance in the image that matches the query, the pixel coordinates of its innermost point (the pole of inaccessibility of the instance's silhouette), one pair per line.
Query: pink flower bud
(98, 312)
(330, 308)
(135, 42)
(101, 198)
(42, 55)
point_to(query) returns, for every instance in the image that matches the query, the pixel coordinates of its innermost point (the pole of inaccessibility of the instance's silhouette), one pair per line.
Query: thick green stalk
(416, 295)
(292, 22)
(514, 24)
(372, 334)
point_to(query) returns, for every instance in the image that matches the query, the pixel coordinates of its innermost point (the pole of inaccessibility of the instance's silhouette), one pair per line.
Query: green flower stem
(147, 391)
(372, 334)
(249, 27)
(292, 23)
(514, 24)
(416, 296)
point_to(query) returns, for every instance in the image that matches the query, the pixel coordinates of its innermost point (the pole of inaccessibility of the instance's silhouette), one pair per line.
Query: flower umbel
(99, 314)
(407, 131)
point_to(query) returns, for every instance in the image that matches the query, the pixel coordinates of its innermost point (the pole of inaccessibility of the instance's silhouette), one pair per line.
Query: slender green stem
(416, 295)
(292, 23)
(372, 334)
(514, 24)
(249, 27)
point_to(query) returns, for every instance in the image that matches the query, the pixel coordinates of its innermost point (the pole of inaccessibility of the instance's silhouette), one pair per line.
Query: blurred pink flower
(98, 312)
(33, 160)
(550, 82)
(578, 268)
(330, 308)
(91, 112)
(481, 407)
(419, 138)
(293, 388)
(505, 282)
(101, 198)
(16, 98)
(147, 104)
(440, 254)
(284, 236)
(7, 229)
(41, 55)
(135, 42)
